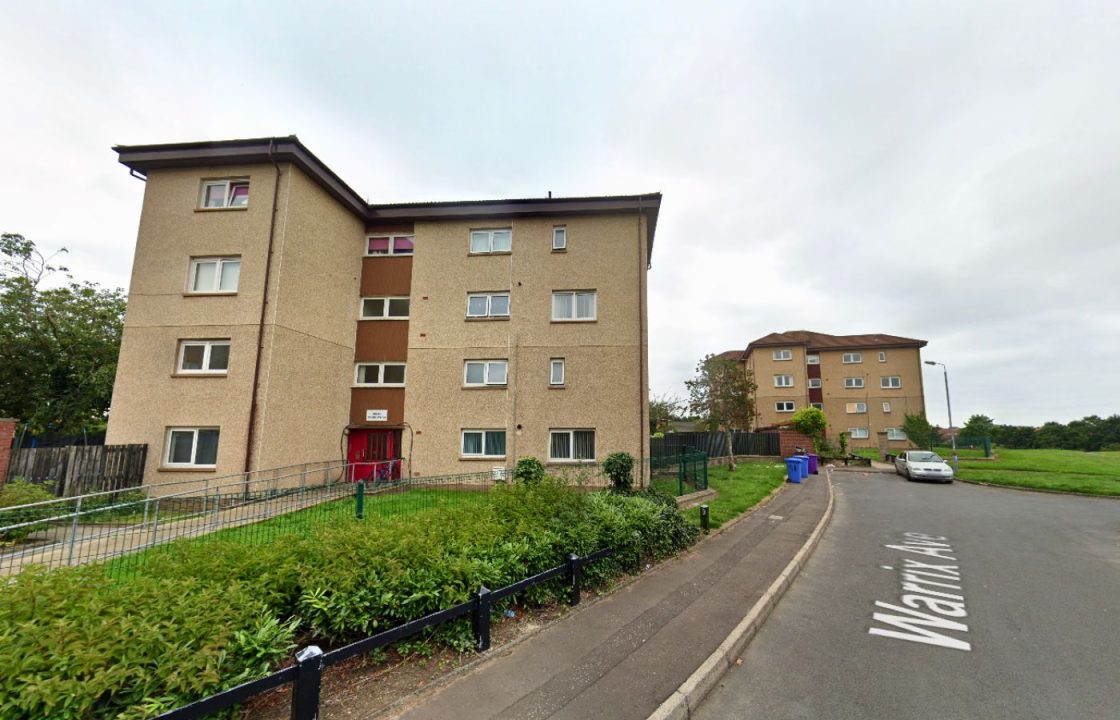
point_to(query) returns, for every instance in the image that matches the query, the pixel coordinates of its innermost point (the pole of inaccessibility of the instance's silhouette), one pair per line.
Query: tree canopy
(918, 430)
(722, 394)
(663, 409)
(978, 426)
(58, 345)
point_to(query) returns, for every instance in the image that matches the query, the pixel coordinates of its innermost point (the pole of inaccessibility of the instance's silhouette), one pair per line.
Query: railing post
(361, 506)
(481, 619)
(74, 531)
(305, 693)
(575, 563)
(155, 527)
(704, 518)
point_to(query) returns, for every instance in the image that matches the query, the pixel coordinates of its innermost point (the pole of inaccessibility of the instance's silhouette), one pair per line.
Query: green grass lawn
(962, 452)
(737, 492)
(1068, 470)
(870, 453)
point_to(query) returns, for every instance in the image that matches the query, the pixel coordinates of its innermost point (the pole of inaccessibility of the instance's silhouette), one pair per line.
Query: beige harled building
(865, 384)
(276, 318)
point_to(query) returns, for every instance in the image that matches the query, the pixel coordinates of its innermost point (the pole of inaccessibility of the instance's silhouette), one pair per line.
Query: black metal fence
(80, 469)
(688, 469)
(714, 444)
(307, 673)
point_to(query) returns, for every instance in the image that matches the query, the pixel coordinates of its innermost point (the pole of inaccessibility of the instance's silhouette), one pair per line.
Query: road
(1039, 596)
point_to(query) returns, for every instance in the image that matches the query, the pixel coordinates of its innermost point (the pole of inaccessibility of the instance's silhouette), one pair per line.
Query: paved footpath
(624, 656)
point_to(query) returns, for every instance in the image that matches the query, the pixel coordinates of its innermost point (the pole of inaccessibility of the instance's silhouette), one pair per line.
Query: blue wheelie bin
(793, 469)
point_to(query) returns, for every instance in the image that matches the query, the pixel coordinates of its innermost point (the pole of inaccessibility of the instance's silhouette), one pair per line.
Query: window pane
(480, 242)
(402, 245)
(378, 246)
(219, 357)
(559, 238)
(205, 274)
(476, 372)
(585, 444)
(496, 373)
(368, 374)
(503, 240)
(398, 307)
(231, 271)
(561, 306)
(207, 453)
(476, 306)
(192, 357)
(496, 442)
(393, 374)
(499, 305)
(373, 308)
(585, 305)
(557, 376)
(561, 446)
(180, 446)
(215, 195)
(239, 195)
(472, 443)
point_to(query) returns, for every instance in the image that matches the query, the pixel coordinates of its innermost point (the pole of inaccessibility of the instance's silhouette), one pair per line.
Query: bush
(619, 467)
(18, 491)
(529, 470)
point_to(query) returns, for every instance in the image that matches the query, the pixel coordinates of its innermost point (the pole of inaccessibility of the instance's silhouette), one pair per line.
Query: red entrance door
(374, 455)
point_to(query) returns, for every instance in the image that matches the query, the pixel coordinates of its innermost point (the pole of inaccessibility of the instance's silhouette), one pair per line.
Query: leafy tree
(58, 345)
(918, 430)
(811, 422)
(722, 395)
(662, 411)
(1052, 435)
(1014, 436)
(978, 426)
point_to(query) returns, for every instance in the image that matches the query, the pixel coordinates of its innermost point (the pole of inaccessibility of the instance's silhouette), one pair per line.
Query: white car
(923, 465)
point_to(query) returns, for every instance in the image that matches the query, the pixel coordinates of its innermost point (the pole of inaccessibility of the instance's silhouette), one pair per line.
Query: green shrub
(18, 491)
(529, 470)
(619, 467)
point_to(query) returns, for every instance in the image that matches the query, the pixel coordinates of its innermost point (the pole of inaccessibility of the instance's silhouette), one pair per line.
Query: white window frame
(167, 463)
(220, 261)
(207, 346)
(818, 406)
(782, 355)
(486, 373)
(228, 185)
(895, 434)
(384, 308)
(814, 383)
(489, 233)
(882, 356)
(575, 305)
(784, 406)
(856, 408)
(552, 365)
(571, 432)
(890, 382)
(780, 381)
(813, 359)
(380, 374)
(392, 237)
(559, 238)
(490, 304)
(859, 433)
(480, 455)
(886, 407)
(851, 358)
(853, 383)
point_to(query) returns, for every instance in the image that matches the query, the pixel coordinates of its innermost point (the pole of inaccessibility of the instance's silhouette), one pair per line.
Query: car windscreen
(923, 457)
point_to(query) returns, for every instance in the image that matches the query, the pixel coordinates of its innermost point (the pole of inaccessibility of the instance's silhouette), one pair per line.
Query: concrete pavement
(655, 646)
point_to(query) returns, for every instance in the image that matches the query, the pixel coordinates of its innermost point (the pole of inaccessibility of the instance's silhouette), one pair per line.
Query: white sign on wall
(377, 415)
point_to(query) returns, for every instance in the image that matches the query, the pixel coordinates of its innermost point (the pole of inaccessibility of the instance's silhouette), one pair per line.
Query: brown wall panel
(386, 276)
(381, 340)
(362, 399)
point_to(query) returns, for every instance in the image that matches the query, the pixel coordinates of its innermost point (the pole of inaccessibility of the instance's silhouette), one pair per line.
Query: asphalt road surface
(992, 603)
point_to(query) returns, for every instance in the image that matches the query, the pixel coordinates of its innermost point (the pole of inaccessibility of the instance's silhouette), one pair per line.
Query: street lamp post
(949, 405)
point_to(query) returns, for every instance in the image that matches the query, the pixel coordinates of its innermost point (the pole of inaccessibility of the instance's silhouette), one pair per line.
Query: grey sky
(942, 170)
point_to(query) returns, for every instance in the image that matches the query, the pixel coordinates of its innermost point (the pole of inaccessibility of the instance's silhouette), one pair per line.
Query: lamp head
(930, 362)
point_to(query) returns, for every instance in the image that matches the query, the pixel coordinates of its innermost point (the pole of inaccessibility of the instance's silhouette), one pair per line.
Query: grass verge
(1061, 470)
(737, 492)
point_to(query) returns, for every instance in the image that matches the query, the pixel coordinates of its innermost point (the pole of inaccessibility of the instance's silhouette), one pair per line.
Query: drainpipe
(643, 426)
(251, 432)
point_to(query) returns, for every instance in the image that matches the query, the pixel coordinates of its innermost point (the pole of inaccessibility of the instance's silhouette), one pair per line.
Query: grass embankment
(1065, 470)
(736, 492)
(962, 452)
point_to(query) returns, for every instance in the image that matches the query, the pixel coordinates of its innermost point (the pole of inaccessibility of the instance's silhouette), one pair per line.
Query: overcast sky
(942, 170)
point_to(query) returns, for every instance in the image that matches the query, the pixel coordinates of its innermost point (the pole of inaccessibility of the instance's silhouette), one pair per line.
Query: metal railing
(688, 467)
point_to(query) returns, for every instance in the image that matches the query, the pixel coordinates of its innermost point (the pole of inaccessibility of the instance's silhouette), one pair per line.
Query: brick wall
(791, 440)
(7, 434)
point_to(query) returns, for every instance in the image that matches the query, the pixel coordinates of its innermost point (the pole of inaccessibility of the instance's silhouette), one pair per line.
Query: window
(886, 407)
(192, 447)
(379, 374)
(849, 358)
(381, 308)
(214, 275)
(814, 382)
(491, 241)
(890, 381)
(574, 305)
(818, 406)
(224, 194)
(559, 238)
(882, 357)
(203, 357)
(485, 372)
(571, 445)
(856, 408)
(487, 305)
(783, 381)
(783, 354)
(895, 434)
(813, 359)
(556, 371)
(853, 382)
(858, 433)
(784, 406)
(484, 443)
(390, 244)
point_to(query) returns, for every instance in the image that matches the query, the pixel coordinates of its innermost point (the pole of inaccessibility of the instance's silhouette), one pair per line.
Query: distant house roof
(735, 355)
(823, 341)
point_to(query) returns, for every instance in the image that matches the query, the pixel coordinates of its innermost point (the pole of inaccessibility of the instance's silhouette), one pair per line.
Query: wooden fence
(715, 444)
(80, 469)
